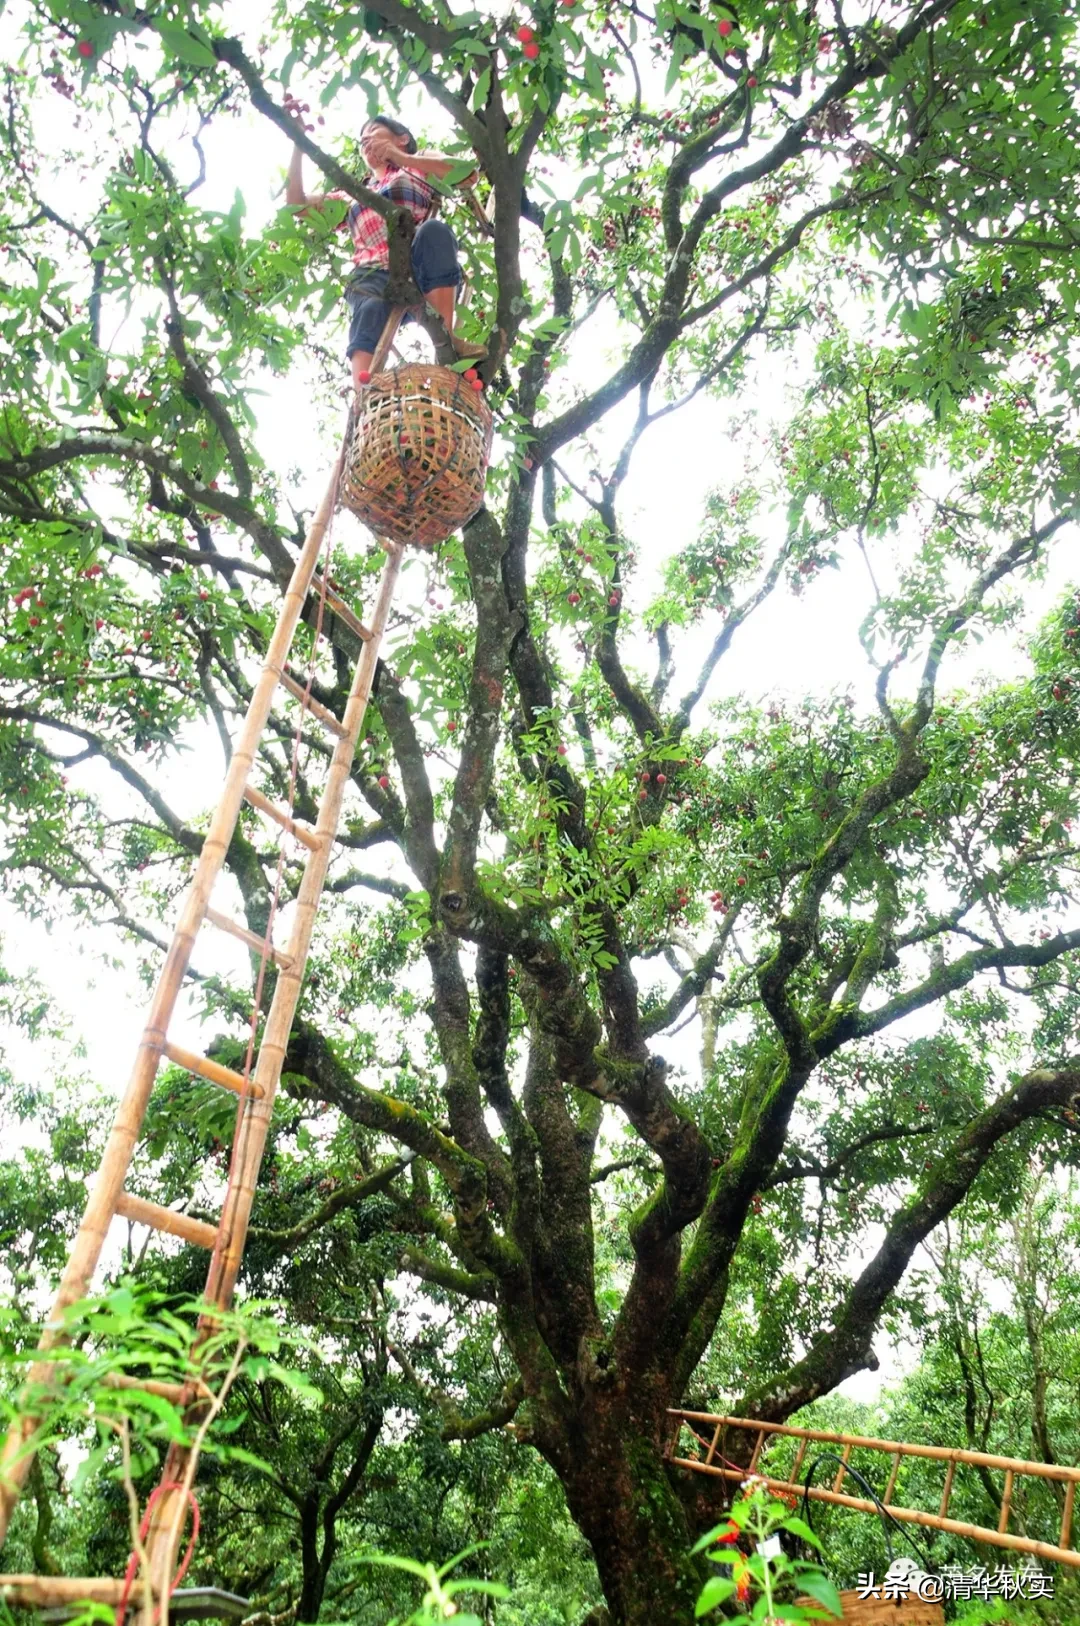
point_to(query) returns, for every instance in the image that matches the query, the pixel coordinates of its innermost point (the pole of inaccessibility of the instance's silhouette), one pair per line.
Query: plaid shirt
(368, 229)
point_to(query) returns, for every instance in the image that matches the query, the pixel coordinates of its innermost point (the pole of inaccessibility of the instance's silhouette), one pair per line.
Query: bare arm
(433, 163)
(295, 195)
(423, 163)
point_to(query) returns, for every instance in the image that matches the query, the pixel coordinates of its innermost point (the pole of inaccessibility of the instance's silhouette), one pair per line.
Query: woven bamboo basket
(419, 454)
(879, 1611)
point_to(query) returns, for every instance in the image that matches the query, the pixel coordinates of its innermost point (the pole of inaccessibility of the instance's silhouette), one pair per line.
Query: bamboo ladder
(255, 1088)
(716, 1428)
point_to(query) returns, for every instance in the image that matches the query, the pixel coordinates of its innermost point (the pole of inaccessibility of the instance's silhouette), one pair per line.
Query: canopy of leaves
(501, 1196)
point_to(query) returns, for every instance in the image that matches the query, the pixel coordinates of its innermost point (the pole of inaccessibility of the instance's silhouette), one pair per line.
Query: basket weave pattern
(419, 454)
(880, 1611)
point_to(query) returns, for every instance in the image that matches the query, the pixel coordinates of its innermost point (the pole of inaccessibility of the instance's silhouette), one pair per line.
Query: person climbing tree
(400, 173)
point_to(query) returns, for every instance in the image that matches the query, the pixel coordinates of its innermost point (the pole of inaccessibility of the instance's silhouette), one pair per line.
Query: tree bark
(621, 1497)
(314, 1576)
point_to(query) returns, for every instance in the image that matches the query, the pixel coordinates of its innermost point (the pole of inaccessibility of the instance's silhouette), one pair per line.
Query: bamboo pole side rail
(386, 339)
(941, 1453)
(17, 1454)
(910, 1515)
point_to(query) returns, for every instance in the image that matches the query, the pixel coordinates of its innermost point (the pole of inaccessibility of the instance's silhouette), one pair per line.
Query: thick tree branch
(93, 445)
(846, 1348)
(803, 1168)
(346, 1197)
(957, 974)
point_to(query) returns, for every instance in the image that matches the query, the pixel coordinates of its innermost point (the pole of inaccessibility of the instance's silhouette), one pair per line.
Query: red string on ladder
(716, 1455)
(144, 1529)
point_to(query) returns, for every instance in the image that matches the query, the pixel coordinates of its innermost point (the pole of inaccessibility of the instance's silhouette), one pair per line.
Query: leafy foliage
(512, 1216)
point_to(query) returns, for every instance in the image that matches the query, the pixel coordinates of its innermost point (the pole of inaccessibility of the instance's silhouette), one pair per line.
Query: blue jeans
(434, 265)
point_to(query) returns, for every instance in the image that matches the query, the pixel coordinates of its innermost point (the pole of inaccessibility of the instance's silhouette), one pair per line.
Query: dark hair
(404, 135)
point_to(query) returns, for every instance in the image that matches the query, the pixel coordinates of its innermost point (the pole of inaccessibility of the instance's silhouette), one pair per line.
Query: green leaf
(237, 1453)
(393, 1562)
(819, 1587)
(490, 1589)
(800, 1528)
(161, 1409)
(717, 1590)
(184, 46)
(718, 1530)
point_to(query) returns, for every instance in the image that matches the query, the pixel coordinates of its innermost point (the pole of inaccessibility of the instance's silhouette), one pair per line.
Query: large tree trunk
(314, 1570)
(621, 1498)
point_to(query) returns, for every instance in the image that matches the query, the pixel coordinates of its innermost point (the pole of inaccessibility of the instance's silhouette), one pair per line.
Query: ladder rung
(327, 718)
(178, 1393)
(45, 1591)
(353, 622)
(256, 944)
(213, 1071)
(302, 832)
(167, 1219)
(336, 603)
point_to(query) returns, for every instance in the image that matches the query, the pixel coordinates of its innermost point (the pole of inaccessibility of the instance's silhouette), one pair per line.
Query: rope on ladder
(144, 1529)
